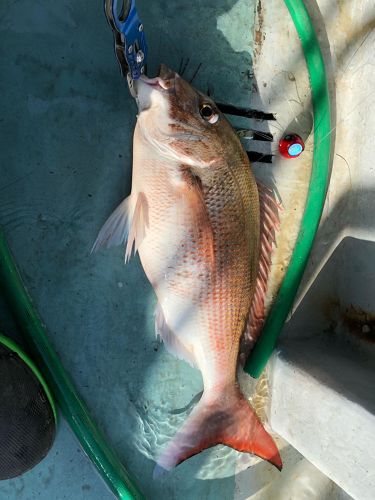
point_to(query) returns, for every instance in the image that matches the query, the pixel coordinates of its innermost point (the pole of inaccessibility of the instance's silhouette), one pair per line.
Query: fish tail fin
(227, 419)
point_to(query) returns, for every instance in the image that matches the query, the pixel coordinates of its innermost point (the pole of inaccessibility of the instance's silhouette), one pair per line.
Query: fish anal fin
(269, 224)
(226, 419)
(172, 343)
(127, 223)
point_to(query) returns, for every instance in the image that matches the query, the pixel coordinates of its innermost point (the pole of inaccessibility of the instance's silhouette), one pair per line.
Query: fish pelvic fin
(225, 419)
(138, 225)
(127, 224)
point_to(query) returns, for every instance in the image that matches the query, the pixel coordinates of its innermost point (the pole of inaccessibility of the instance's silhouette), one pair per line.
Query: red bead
(291, 146)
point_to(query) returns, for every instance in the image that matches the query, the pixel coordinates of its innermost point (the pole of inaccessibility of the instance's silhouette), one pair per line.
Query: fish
(194, 217)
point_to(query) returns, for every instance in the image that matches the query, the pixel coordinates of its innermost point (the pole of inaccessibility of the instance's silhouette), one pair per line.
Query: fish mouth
(162, 85)
(164, 81)
(156, 83)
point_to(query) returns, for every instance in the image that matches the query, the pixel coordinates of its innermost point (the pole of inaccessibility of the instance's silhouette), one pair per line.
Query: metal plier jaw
(129, 38)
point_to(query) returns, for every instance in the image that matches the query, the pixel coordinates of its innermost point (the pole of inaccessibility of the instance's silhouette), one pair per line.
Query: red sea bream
(194, 217)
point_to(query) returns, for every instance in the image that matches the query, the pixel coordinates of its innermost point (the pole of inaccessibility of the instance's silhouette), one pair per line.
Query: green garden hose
(316, 194)
(73, 407)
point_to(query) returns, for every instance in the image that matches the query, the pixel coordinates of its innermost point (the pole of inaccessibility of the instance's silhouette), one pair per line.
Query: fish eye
(208, 113)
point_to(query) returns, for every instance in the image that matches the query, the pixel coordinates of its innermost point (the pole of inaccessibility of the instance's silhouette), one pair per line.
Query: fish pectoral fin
(221, 418)
(127, 223)
(194, 195)
(172, 343)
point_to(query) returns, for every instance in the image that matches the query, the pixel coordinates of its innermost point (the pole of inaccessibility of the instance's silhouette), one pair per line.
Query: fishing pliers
(129, 37)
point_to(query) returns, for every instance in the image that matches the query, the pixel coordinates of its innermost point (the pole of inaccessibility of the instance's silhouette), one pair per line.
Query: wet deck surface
(66, 130)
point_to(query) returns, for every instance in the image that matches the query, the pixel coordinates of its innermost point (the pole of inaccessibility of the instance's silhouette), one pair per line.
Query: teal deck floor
(66, 132)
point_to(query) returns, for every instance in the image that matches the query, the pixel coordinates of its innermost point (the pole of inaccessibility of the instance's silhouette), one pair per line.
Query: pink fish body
(193, 215)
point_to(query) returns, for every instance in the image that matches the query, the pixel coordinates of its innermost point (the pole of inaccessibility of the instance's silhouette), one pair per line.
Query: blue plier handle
(129, 37)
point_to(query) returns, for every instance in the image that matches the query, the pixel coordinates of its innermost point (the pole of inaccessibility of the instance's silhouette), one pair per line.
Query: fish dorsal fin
(170, 339)
(269, 223)
(127, 223)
